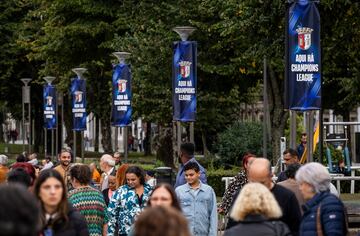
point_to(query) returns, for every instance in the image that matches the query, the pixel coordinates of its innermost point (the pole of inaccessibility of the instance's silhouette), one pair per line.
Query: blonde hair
(255, 198)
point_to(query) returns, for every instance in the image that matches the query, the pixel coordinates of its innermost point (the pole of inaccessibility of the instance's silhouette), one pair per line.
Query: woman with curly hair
(254, 209)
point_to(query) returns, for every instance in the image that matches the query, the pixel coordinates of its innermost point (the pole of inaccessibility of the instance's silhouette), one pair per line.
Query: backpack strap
(318, 222)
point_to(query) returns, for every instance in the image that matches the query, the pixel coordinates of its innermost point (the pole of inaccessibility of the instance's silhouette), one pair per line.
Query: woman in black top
(58, 217)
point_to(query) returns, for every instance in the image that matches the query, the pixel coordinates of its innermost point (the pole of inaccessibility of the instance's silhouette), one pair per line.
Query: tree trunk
(203, 139)
(147, 140)
(278, 116)
(96, 140)
(2, 115)
(106, 134)
(165, 147)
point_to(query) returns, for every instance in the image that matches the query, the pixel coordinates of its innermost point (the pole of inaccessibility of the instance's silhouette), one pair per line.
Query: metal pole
(45, 142)
(265, 107)
(307, 127)
(125, 142)
(293, 129)
(52, 144)
(192, 132)
(116, 138)
(178, 123)
(23, 118)
(321, 135)
(57, 124)
(82, 146)
(74, 137)
(29, 123)
(310, 136)
(62, 122)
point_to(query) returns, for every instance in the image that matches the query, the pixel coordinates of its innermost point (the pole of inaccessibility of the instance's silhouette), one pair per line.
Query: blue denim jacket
(200, 210)
(180, 178)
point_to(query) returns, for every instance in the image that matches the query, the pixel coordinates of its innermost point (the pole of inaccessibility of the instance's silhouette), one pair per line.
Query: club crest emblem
(304, 37)
(185, 69)
(121, 85)
(49, 100)
(78, 96)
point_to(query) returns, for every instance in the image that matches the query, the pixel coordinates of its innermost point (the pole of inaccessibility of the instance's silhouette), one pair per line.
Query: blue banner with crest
(184, 81)
(49, 98)
(121, 96)
(303, 90)
(78, 94)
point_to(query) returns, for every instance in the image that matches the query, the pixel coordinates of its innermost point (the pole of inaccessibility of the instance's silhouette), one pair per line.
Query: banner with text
(121, 96)
(184, 81)
(78, 94)
(49, 98)
(303, 57)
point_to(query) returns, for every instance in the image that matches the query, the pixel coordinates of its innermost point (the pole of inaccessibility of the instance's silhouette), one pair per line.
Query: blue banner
(49, 98)
(303, 56)
(184, 81)
(121, 96)
(78, 94)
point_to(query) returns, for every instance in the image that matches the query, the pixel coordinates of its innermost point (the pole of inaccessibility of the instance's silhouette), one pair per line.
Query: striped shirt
(90, 203)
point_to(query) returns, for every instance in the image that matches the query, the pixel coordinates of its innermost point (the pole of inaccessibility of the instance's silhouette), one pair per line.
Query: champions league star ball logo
(121, 85)
(185, 69)
(304, 37)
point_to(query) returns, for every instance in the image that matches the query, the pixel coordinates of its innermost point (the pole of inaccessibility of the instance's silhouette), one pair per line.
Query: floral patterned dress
(239, 181)
(124, 207)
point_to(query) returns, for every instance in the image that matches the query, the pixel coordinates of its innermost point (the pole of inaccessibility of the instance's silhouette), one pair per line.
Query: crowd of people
(66, 198)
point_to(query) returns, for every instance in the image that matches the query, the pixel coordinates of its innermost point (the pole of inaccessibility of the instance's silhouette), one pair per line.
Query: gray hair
(108, 159)
(314, 174)
(3, 159)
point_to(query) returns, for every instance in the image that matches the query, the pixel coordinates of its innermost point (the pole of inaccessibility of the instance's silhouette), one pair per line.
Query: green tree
(70, 34)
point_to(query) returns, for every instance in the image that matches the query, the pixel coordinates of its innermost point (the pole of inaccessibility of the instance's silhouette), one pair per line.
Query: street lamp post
(26, 99)
(122, 56)
(184, 32)
(79, 72)
(49, 80)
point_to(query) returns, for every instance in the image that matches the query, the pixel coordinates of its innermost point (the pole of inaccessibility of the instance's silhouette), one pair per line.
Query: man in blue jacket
(198, 202)
(186, 156)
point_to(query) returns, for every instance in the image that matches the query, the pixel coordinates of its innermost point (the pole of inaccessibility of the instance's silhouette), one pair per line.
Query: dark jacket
(289, 207)
(75, 226)
(331, 212)
(105, 193)
(254, 225)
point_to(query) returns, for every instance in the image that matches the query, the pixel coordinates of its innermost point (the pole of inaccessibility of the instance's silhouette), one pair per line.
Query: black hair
(81, 173)
(291, 170)
(138, 172)
(21, 158)
(192, 166)
(292, 152)
(150, 173)
(19, 176)
(19, 215)
(187, 148)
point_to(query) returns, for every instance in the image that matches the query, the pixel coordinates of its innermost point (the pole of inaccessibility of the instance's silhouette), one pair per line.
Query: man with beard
(117, 159)
(64, 167)
(186, 156)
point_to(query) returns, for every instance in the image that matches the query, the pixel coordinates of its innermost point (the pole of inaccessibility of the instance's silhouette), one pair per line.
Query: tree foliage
(239, 138)
(42, 37)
